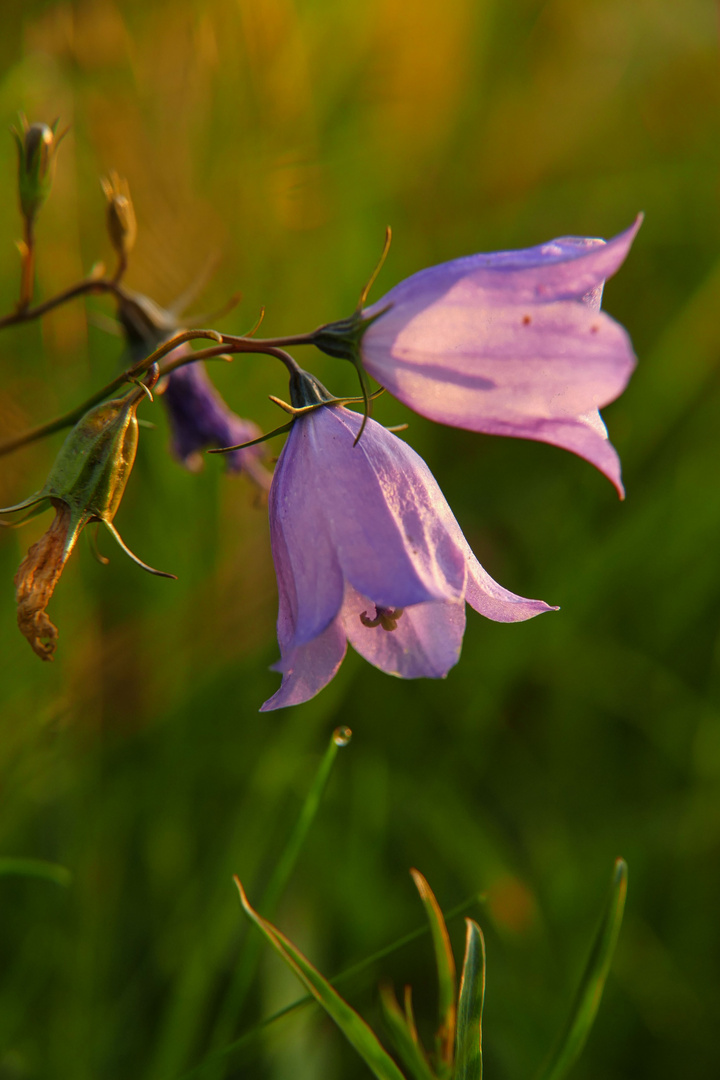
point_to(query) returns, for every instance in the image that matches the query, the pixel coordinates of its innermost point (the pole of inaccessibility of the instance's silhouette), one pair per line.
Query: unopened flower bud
(121, 222)
(86, 483)
(37, 146)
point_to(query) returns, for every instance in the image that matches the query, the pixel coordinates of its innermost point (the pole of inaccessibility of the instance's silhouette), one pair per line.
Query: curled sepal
(252, 442)
(468, 1047)
(373, 277)
(589, 993)
(92, 536)
(144, 566)
(447, 983)
(404, 1036)
(353, 1027)
(342, 338)
(35, 505)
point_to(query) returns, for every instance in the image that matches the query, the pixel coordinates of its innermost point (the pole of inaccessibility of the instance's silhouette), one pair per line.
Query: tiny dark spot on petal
(526, 320)
(594, 329)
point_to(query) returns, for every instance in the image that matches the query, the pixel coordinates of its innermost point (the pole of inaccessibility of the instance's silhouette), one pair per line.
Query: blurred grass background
(280, 137)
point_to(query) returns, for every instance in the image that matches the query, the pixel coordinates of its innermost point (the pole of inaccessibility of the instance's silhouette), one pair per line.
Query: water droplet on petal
(342, 736)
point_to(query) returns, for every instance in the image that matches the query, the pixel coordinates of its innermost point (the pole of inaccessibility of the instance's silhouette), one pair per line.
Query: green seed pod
(92, 469)
(86, 484)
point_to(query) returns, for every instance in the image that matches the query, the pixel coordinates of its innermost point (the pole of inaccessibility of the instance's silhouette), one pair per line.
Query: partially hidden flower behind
(199, 417)
(507, 343)
(86, 484)
(367, 550)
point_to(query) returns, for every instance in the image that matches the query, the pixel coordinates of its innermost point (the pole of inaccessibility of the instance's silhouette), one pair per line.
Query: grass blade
(447, 983)
(592, 984)
(353, 1027)
(240, 984)
(468, 1056)
(345, 976)
(37, 868)
(404, 1036)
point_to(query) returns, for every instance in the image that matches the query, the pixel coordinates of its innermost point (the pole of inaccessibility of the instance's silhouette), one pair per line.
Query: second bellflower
(367, 550)
(506, 343)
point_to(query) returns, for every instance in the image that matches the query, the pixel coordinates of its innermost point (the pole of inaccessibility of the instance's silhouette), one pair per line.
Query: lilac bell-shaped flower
(367, 550)
(508, 343)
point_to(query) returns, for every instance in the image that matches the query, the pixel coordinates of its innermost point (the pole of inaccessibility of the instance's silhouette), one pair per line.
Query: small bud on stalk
(121, 223)
(86, 484)
(37, 146)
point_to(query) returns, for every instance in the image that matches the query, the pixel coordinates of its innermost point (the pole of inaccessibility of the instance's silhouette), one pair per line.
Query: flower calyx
(86, 484)
(307, 395)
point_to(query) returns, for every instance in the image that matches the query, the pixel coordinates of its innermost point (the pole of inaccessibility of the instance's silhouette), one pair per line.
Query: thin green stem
(27, 272)
(237, 992)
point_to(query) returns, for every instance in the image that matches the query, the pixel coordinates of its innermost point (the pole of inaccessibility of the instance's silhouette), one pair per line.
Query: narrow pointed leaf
(404, 1037)
(592, 984)
(353, 1027)
(446, 970)
(468, 1053)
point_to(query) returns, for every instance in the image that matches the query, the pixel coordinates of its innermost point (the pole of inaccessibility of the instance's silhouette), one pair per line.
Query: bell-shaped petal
(366, 549)
(509, 343)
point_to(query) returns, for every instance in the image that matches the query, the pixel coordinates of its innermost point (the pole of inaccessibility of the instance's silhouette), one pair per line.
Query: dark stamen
(385, 617)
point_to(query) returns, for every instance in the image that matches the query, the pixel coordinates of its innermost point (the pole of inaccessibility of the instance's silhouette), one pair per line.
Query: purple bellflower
(199, 418)
(508, 343)
(367, 550)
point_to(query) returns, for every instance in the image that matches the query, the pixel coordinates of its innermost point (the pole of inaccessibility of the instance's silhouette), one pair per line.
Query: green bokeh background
(279, 138)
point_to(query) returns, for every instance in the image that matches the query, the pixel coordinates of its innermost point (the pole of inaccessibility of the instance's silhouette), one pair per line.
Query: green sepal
(131, 554)
(589, 993)
(34, 504)
(468, 1049)
(356, 1031)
